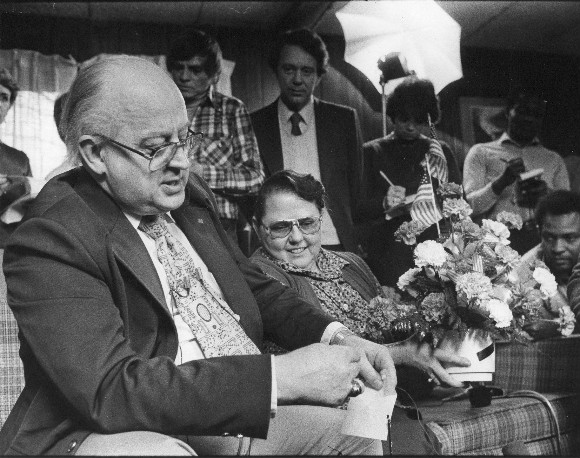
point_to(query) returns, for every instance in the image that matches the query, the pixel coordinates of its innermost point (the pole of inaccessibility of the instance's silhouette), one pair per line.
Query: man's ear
(91, 152)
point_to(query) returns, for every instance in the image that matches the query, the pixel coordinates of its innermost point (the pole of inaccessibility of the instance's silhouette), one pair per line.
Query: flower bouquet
(464, 284)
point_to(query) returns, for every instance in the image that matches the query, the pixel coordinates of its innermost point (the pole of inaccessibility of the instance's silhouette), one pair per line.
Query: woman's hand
(422, 355)
(395, 196)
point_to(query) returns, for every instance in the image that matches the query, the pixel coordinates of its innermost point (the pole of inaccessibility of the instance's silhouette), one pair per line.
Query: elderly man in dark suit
(308, 135)
(141, 323)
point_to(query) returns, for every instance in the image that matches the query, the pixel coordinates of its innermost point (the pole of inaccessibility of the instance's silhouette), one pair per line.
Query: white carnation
(407, 277)
(430, 253)
(547, 281)
(500, 312)
(474, 285)
(496, 232)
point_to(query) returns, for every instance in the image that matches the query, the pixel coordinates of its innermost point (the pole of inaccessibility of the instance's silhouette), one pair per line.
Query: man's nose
(184, 74)
(180, 159)
(559, 246)
(297, 77)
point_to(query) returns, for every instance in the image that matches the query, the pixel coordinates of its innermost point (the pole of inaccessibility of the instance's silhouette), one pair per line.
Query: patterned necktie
(212, 321)
(295, 120)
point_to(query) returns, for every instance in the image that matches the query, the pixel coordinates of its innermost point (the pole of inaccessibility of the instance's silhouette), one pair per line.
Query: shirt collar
(506, 138)
(307, 112)
(208, 101)
(136, 220)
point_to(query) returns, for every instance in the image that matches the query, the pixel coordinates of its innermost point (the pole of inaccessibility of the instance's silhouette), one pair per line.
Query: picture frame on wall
(482, 120)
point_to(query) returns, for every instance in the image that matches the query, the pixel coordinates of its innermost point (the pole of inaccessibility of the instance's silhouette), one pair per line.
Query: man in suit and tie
(308, 135)
(141, 322)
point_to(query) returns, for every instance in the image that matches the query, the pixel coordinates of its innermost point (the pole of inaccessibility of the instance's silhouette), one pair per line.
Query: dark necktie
(295, 120)
(213, 323)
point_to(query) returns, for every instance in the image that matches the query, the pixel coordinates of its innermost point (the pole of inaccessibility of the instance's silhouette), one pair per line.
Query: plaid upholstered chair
(11, 373)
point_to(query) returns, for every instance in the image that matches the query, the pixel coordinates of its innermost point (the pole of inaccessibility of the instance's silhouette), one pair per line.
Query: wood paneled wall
(487, 73)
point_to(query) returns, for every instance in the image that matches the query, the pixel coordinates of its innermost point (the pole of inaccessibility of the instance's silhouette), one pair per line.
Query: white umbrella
(425, 35)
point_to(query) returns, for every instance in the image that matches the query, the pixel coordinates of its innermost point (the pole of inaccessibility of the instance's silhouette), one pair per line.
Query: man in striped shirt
(228, 159)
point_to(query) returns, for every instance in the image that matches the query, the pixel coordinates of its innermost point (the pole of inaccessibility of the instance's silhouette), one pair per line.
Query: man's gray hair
(84, 112)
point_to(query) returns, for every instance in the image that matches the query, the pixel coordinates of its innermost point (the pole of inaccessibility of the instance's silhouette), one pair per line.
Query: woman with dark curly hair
(399, 156)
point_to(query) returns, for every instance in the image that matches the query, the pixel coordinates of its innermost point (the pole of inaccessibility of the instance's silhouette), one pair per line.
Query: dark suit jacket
(98, 342)
(340, 156)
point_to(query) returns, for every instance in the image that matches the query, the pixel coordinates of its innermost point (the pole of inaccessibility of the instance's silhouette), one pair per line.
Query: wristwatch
(340, 335)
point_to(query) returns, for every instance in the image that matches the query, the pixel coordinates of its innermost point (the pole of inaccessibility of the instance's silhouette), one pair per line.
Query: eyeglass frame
(295, 222)
(154, 151)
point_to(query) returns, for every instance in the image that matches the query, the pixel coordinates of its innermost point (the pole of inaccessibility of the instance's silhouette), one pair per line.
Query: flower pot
(475, 345)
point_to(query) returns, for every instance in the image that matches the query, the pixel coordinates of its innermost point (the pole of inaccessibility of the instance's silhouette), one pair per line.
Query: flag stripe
(423, 209)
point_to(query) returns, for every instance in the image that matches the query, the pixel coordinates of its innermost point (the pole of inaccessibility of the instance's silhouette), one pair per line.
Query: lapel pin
(200, 221)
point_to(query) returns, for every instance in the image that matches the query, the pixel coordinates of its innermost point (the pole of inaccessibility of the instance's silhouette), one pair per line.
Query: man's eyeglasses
(281, 229)
(162, 155)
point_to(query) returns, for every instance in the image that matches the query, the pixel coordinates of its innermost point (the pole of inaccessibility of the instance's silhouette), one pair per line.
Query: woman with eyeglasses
(287, 218)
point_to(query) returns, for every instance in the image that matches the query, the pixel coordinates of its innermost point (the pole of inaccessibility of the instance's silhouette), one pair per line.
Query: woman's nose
(295, 234)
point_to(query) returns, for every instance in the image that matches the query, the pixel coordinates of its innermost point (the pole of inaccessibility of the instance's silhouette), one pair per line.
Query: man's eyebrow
(163, 134)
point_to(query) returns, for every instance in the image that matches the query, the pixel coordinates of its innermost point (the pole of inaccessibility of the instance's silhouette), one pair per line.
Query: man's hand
(513, 169)
(317, 374)
(377, 366)
(395, 196)
(5, 183)
(412, 352)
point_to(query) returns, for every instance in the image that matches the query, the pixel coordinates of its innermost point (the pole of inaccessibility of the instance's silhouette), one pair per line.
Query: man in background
(491, 170)
(228, 159)
(13, 163)
(558, 218)
(308, 135)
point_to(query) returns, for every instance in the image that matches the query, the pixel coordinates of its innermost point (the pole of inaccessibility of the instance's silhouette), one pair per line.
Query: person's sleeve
(28, 170)
(452, 167)
(561, 177)
(479, 193)
(573, 292)
(356, 163)
(243, 172)
(372, 190)
(66, 298)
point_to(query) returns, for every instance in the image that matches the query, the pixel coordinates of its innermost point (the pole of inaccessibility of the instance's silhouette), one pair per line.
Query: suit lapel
(127, 246)
(271, 145)
(324, 132)
(131, 252)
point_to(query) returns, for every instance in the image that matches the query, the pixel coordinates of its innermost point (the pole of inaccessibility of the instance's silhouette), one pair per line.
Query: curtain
(29, 125)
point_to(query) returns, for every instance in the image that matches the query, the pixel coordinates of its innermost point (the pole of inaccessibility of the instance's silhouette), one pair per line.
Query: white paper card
(367, 414)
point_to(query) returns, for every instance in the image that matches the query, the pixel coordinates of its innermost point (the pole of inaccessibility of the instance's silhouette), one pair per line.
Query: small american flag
(424, 210)
(437, 161)
(435, 156)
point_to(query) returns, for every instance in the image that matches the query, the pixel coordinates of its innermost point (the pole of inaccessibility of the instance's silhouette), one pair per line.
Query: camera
(530, 188)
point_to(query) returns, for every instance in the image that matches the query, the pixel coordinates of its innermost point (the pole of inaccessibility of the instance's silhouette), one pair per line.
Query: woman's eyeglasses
(161, 156)
(281, 229)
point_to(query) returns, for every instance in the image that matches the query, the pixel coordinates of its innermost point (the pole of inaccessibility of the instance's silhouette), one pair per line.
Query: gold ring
(357, 387)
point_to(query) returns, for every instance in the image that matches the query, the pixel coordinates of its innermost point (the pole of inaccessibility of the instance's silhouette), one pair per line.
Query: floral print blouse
(336, 296)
